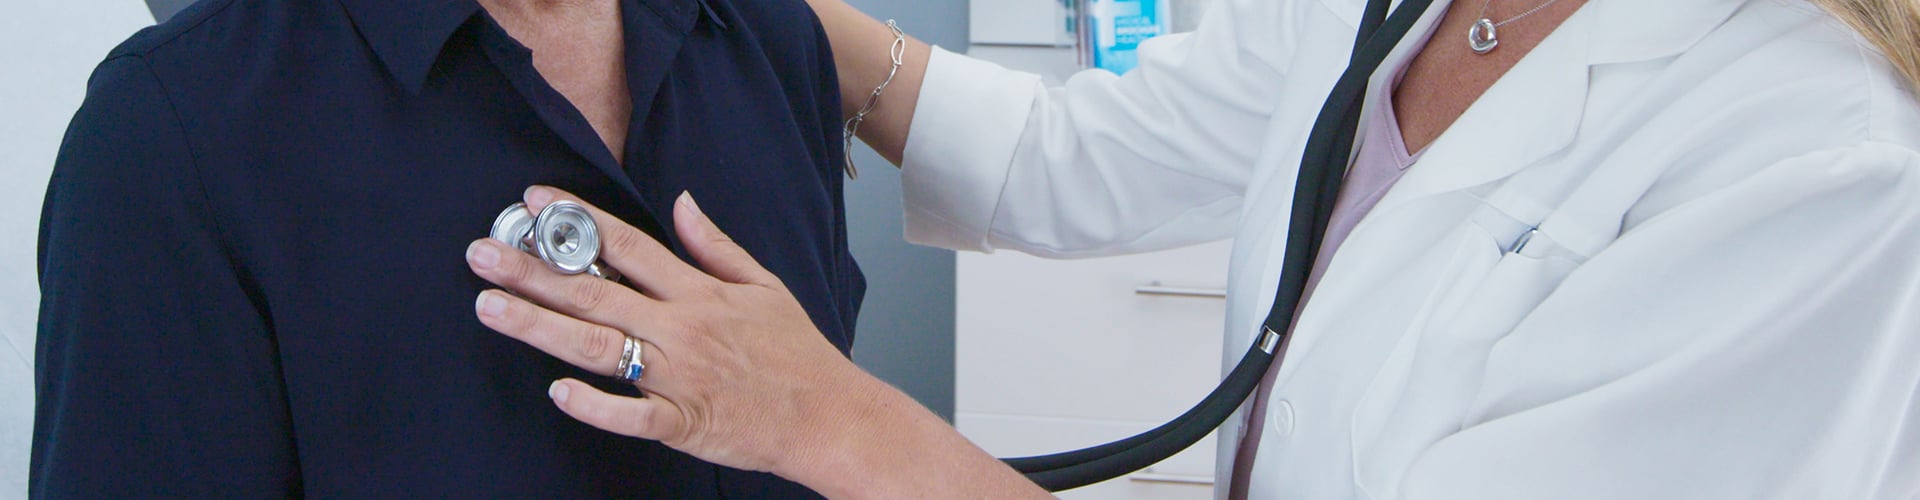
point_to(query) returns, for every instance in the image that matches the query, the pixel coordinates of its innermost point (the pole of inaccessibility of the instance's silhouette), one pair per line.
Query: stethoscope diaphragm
(563, 235)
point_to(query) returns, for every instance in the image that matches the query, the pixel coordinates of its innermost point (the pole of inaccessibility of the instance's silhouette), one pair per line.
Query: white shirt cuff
(966, 126)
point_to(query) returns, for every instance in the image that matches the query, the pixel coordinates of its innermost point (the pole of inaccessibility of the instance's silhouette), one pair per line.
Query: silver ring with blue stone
(631, 368)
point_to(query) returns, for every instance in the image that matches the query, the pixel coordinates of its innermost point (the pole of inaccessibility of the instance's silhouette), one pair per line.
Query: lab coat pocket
(1515, 285)
(1531, 268)
(1423, 391)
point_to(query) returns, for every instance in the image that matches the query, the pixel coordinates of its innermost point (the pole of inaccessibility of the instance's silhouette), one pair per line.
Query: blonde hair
(1891, 25)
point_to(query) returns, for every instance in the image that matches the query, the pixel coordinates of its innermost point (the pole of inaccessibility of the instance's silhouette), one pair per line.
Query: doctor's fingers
(714, 250)
(656, 418)
(582, 296)
(643, 261)
(593, 347)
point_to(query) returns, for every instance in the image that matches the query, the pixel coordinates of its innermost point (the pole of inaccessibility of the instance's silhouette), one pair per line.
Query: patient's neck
(577, 46)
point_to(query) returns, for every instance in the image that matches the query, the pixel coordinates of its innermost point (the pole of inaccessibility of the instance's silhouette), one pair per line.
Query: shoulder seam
(1879, 103)
(1865, 56)
(204, 200)
(177, 33)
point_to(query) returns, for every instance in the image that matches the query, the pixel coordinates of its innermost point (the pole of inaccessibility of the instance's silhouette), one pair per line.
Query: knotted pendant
(1483, 37)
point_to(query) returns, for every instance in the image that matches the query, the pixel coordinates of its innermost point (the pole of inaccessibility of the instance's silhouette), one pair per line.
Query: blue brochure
(1114, 28)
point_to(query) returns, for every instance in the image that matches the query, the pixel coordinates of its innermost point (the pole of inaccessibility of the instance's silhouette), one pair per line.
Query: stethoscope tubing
(1322, 167)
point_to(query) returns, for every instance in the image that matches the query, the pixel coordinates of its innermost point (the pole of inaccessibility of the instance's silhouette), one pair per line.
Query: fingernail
(490, 304)
(687, 196)
(688, 213)
(538, 196)
(483, 255)
(557, 391)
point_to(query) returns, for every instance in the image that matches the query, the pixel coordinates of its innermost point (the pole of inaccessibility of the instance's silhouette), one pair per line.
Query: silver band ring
(631, 368)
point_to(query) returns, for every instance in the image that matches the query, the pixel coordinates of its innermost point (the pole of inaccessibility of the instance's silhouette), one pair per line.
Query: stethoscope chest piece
(563, 235)
(514, 227)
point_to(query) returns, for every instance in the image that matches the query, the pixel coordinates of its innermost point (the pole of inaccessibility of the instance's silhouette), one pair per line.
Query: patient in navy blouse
(250, 257)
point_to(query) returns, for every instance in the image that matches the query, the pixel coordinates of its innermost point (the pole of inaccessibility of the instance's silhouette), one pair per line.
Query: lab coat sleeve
(156, 370)
(1104, 165)
(1760, 341)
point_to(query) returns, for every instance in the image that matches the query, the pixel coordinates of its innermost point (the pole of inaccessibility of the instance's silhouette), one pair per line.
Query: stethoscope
(564, 236)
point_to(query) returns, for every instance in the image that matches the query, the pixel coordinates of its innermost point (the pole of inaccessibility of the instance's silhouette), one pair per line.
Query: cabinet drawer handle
(1174, 291)
(1155, 477)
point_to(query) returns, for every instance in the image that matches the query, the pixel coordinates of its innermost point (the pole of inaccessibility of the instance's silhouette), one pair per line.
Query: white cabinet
(1053, 355)
(1019, 22)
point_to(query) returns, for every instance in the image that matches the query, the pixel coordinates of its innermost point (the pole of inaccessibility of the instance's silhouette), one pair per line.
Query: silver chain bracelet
(899, 53)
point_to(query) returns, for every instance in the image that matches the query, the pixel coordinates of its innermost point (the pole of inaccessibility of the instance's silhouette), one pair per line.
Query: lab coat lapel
(1530, 113)
(1625, 32)
(1350, 11)
(1535, 110)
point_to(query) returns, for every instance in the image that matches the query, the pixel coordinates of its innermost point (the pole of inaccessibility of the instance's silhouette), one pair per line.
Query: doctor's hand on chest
(734, 371)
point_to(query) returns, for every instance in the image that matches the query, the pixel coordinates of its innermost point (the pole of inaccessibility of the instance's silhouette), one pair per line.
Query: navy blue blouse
(251, 257)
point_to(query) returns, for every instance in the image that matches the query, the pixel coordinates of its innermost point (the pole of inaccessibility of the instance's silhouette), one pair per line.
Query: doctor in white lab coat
(1673, 252)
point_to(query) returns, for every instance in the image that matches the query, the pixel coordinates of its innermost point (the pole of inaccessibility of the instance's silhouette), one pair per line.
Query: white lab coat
(1721, 299)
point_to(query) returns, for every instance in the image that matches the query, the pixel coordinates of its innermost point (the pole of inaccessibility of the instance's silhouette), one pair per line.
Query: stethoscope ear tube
(1322, 167)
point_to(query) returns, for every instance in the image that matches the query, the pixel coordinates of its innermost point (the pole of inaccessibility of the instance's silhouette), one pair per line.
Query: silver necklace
(1484, 36)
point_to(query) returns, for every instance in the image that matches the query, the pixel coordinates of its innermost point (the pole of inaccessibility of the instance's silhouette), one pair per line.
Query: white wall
(47, 50)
